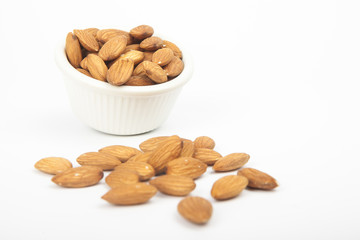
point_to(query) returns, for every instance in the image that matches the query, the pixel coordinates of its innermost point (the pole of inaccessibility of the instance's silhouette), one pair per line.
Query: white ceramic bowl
(120, 110)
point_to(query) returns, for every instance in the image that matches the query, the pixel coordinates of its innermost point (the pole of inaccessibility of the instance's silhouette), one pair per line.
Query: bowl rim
(67, 69)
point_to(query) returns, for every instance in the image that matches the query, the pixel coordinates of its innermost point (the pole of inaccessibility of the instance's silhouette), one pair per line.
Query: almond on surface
(228, 187)
(143, 169)
(121, 176)
(258, 179)
(162, 56)
(188, 148)
(98, 159)
(186, 166)
(78, 177)
(53, 165)
(120, 72)
(87, 40)
(175, 67)
(166, 151)
(231, 162)
(142, 157)
(195, 209)
(151, 143)
(174, 185)
(123, 153)
(142, 32)
(207, 155)
(130, 194)
(96, 67)
(151, 43)
(204, 142)
(113, 48)
(155, 72)
(73, 50)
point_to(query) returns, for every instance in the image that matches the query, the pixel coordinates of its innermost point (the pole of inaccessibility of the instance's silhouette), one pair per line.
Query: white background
(276, 79)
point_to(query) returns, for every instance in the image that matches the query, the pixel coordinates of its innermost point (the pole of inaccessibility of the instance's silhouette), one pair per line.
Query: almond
(132, 47)
(228, 187)
(143, 169)
(96, 67)
(92, 31)
(174, 68)
(73, 50)
(121, 176)
(123, 153)
(151, 143)
(130, 194)
(231, 162)
(173, 47)
(120, 72)
(204, 142)
(174, 185)
(195, 209)
(258, 179)
(79, 177)
(167, 150)
(163, 56)
(113, 48)
(98, 159)
(139, 81)
(83, 63)
(155, 72)
(142, 32)
(87, 40)
(142, 157)
(188, 148)
(105, 35)
(139, 70)
(151, 43)
(134, 55)
(83, 71)
(53, 165)
(148, 56)
(186, 166)
(207, 155)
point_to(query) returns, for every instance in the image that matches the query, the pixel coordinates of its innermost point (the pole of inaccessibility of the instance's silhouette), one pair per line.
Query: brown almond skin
(79, 177)
(186, 166)
(143, 169)
(174, 68)
(53, 165)
(154, 72)
(142, 157)
(139, 70)
(167, 150)
(151, 44)
(113, 48)
(228, 187)
(130, 47)
(105, 35)
(258, 179)
(173, 47)
(174, 185)
(98, 159)
(148, 56)
(83, 63)
(83, 71)
(195, 209)
(204, 142)
(123, 153)
(152, 143)
(141, 32)
(73, 50)
(162, 56)
(96, 67)
(231, 162)
(92, 31)
(188, 148)
(121, 176)
(206, 155)
(120, 72)
(139, 81)
(87, 40)
(134, 55)
(130, 194)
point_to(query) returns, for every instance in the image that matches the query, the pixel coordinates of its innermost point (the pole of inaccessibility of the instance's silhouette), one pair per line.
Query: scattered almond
(204, 142)
(123, 153)
(143, 169)
(98, 159)
(142, 157)
(195, 209)
(228, 187)
(121, 176)
(53, 165)
(186, 166)
(207, 155)
(152, 143)
(188, 148)
(231, 162)
(79, 177)
(174, 185)
(258, 179)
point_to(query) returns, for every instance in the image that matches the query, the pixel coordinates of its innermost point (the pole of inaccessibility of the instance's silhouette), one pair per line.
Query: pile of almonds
(135, 58)
(176, 162)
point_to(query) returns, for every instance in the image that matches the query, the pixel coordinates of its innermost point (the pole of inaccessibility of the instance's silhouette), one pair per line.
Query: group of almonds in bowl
(170, 164)
(134, 58)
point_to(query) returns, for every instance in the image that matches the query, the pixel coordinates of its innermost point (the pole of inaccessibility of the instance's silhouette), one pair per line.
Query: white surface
(276, 79)
(125, 110)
